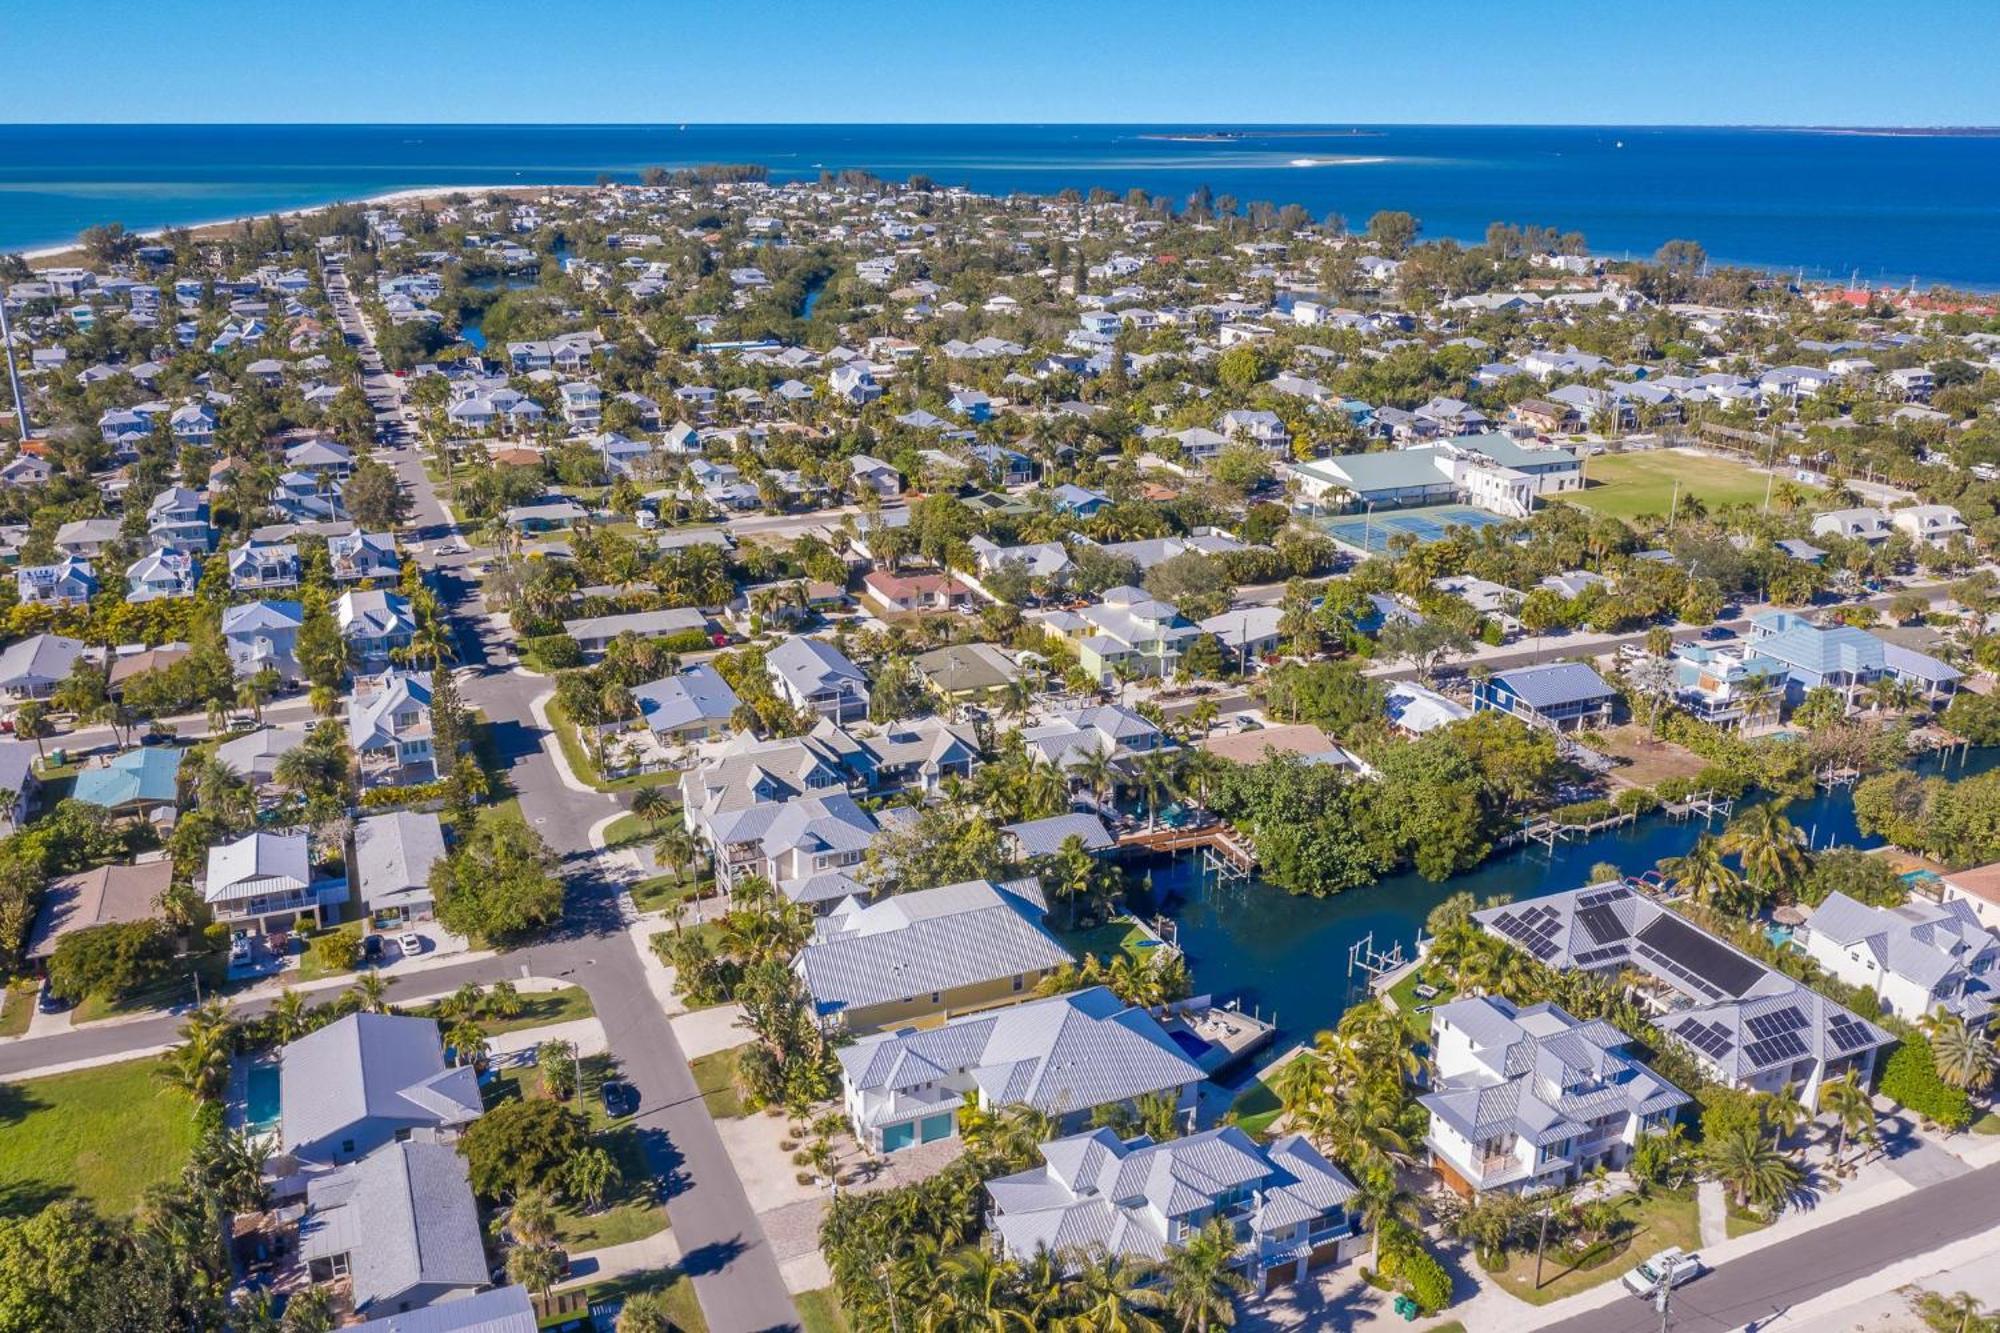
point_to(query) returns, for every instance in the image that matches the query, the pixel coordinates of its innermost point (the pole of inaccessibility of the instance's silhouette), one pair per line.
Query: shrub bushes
(1910, 1079)
(337, 950)
(552, 652)
(1408, 1266)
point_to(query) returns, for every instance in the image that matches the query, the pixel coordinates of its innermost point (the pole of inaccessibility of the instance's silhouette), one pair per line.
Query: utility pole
(1663, 1298)
(13, 376)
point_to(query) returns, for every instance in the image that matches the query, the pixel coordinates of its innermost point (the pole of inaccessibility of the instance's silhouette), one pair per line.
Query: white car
(1671, 1266)
(239, 948)
(410, 943)
(451, 546)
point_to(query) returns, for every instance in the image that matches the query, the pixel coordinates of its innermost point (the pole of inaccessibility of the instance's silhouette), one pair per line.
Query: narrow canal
(1288, 956)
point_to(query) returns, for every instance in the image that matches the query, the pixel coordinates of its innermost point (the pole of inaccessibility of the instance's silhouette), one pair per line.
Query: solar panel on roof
(1847, 1034)
(1602, 924)
(1784, 1046)
(1702, 956)
(1788, 1019)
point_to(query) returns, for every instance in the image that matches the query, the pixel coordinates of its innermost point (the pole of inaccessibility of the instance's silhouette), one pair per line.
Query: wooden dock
(1218, 838)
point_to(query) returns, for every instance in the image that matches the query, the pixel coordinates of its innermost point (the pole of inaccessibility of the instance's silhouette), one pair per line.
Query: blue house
(1070, 498)
(1842, 658)
(134, 783)
(972, 405)
(1563, 696)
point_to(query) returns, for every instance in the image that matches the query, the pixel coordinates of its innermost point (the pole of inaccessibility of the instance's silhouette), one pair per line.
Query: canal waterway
(1287, 956)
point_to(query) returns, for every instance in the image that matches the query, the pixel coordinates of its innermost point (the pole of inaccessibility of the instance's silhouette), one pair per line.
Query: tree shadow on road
(713, 1257)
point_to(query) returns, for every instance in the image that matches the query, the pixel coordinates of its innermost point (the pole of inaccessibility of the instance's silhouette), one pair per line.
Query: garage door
(937, 1127)
(898, 1136)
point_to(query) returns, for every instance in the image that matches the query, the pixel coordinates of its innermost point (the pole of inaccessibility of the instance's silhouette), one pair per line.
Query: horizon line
(1967, 128)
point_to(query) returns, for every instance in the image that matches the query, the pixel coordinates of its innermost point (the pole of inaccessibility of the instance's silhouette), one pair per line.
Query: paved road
(724, 1251)
(1755, 1287)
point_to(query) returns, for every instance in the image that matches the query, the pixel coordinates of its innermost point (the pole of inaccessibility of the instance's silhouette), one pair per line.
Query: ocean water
(1888, 208)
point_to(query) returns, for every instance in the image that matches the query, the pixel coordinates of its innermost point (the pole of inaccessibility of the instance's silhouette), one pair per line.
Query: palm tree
(1852, 1109)
(976, 1295)
(1964, 1057)
(371, 993)
(1785, 1113)
(1752, 1169)
(1382, 1200)
(1110, 1298)
(532, 1220)
(536, 1267)
(1098, 772)
(468, 1042)
(1159, 778)
(1702, 874)
(1956, 1311)
(590, 1175)
(676, 851)
(646, 1312)
(1200, 1286)
(652, 804)
(288, 1016)
(200, 1064)
(1769, 846)
(504, 1001)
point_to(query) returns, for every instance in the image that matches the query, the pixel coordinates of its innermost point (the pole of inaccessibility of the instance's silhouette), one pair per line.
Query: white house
(1917, 958)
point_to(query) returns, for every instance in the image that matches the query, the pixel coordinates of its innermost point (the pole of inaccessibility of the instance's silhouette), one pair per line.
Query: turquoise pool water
(261, 1099)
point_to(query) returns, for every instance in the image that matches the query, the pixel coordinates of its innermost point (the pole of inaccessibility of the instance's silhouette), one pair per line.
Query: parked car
(48, 1001)
(371, 948)
(410, 943)
(620, 1097)
(1671, 1267)
(239, 947)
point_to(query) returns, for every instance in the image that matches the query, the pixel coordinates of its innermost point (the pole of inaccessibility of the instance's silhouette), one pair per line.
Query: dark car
(620, 1097)
(371, 948)
(1715, 633)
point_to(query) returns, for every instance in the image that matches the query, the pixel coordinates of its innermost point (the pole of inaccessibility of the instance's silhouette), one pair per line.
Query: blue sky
(1179, 61)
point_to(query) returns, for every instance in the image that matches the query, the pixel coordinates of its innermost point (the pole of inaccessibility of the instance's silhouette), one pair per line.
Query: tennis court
(1371, 533)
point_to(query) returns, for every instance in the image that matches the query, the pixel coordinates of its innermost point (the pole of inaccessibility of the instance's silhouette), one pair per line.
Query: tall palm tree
(536, 1267)
(1159, 777)
(1964, 1057)
(288, 1016)
(1769, 846)
(1702, 874)
(1098, 772)
(1111, 1298)
(371, 993)
(1853, 1111)
(1785, 1113)
(652, 804)
(1199, 1286)
(1382, 1200)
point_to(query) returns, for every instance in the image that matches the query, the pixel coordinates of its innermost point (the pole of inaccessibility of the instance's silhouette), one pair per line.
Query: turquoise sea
(1887, 207)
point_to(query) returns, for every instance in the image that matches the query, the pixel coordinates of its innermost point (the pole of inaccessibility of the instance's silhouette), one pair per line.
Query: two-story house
(376, 623)
(814, 676)
(1292, 1211)
(263, 634)
(1129, 631)
(68, 582)
(1918, 958)
(265, 881)
(1529, 1098)
(264, 567)
(177, 519)
(367, 1080)
(389, 728)
(363, 555)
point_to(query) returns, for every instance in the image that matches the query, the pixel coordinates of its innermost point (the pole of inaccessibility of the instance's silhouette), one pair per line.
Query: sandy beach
(47, 256)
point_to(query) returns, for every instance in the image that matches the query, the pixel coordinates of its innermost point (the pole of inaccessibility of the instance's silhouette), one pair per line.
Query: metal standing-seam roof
(932, 940)
(371, 1066)
(1554, 684)
(501, 1310)
(1045, 837)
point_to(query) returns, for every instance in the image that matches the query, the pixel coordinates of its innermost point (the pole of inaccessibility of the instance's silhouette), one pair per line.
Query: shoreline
(43, 254)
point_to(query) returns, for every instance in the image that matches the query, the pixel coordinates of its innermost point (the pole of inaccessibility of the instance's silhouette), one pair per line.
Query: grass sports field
(1627, 485)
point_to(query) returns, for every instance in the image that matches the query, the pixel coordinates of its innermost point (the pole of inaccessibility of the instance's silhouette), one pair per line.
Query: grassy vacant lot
(632, 1208)
(1663, 1218)
(538, 1009)
(1627, 485)
(715, 1077)
(101, 1134)
(1648, 762)
(820, 1311)
(17, 1009)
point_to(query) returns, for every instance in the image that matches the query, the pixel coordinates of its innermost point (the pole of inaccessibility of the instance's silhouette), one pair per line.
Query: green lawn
(820, 1311)
(1106, 941)
(1404, 995)
(103, 1135)
(715, 1076)
(17, 1010)
(1663, 1218)
(653, 895)
(538, 1009)
(1256, 1108)
(1987, 1124)
(632, 1209)
(1739, 1223)
(1628, 485)
(682, 1307)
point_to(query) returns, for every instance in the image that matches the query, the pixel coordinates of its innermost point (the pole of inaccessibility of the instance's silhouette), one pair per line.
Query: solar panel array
(1663, 964)
(1775, 1023)
(1599, 957)
(1711, 1039)
(1784, 1046)
(1603, 896)
(1848, 1033)
(1602, 924)
(1695, 954)
(1534, 928)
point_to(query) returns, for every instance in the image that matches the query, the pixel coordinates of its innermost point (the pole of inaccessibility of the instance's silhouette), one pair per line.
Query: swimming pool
(261, 1101)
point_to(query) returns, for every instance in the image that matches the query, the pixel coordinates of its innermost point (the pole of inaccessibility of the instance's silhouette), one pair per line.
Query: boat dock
(1218, 842)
